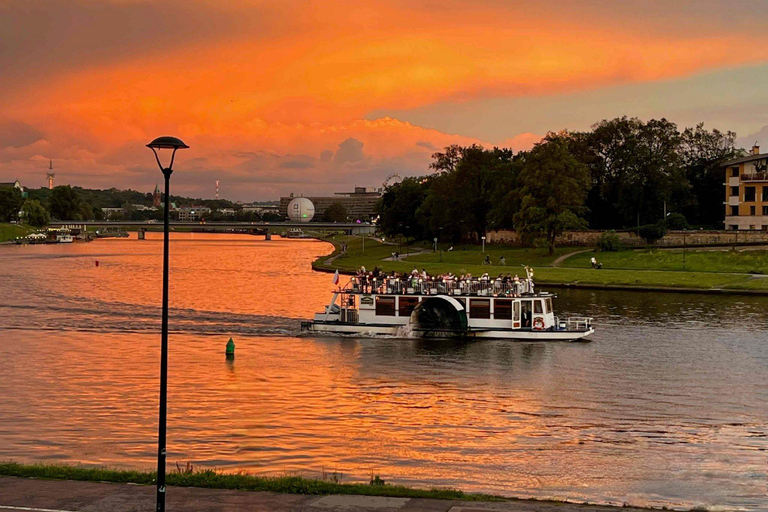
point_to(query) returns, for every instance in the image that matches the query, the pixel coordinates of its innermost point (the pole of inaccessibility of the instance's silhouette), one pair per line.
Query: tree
(398, 207)
(702, 151)
(336, 213)
(10, 203)
(553, 187)
(65, 203)
(35, 214)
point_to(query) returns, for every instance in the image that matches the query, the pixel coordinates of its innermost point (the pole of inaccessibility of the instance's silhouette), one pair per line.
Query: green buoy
(231, 347)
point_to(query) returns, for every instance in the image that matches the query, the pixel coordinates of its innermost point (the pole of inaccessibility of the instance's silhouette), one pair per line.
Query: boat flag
(336, 277)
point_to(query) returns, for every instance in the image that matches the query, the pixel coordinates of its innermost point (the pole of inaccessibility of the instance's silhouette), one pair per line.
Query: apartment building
(746, 192)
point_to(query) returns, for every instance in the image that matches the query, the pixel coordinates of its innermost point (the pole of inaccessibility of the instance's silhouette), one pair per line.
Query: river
(666, 406)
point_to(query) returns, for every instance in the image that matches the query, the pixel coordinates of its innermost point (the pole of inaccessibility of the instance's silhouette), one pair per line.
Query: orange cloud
(300, 77)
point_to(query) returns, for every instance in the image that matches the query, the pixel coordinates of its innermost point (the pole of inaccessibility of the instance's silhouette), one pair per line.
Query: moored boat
(420, 306)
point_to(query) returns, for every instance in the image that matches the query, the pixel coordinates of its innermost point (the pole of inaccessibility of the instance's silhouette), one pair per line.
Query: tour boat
(294, 233)
(419, 306)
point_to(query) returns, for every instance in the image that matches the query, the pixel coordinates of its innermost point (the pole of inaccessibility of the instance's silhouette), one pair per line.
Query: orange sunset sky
(320, 96)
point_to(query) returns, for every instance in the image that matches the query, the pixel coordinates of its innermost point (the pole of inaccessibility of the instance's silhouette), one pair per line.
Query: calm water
(668, 405)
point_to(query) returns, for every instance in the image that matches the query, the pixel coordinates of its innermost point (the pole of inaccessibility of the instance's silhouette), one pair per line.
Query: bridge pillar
(267, 235)
(142, 233)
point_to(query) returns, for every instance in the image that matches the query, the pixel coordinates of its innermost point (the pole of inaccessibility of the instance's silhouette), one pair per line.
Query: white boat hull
(336, 328)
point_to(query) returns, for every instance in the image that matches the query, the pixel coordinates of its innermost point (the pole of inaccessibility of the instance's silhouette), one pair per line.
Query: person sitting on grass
(502, 261)
(487, 260)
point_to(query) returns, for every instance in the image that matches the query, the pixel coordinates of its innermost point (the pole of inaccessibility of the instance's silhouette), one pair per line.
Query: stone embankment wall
(672, 238)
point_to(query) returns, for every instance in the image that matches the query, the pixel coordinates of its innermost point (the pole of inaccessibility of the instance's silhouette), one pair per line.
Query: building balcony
(758, 176)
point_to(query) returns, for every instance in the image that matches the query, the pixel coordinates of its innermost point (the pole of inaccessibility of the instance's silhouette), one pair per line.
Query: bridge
(142, 226)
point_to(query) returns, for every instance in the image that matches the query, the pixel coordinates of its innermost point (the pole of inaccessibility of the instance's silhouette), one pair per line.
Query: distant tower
(217, 189)
(50, 174)
(157, 197)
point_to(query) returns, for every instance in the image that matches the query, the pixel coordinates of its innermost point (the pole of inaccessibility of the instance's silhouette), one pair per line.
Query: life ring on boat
(538, 324)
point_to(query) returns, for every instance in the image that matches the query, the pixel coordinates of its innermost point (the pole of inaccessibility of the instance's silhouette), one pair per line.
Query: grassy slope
(11, 231)
(710, 269)
(747, 261)
(216, 480)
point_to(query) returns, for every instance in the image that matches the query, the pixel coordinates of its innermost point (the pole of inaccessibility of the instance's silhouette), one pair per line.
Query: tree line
(623, 173)
(76, 203)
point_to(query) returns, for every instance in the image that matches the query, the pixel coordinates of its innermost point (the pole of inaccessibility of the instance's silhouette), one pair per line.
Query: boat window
(407, 305)
(385, 306)
(517, 311)
(502, 309)
(462, 302)
(480, 308)
(527, 316)
(537, 307)
(549, 305)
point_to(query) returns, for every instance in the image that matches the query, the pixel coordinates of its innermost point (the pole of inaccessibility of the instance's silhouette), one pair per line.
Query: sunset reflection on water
(666, 406)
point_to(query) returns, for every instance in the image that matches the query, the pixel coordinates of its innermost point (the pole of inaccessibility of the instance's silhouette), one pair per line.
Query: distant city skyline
(313, 98)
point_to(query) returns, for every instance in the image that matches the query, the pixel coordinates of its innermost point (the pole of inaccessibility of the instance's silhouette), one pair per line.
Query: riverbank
(65, 489)
(706, 270)
(10, 232)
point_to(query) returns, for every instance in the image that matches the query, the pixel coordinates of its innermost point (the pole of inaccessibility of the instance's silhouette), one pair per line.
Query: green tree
(10, 204)
(65, 203)
(336, 213)
(553, 187)
(702, 151)
(35, 214)
(398, 207)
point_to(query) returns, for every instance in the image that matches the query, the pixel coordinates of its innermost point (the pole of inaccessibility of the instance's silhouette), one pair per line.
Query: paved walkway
(31, 495)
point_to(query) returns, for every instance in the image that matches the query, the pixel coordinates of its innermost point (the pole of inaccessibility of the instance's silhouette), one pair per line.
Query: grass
(10, 231)
(189, 477)
(657, 268)
(747, 261)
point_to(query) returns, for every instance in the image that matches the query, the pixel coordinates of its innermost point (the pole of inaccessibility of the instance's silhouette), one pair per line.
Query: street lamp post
(174, 144)
(483, 244)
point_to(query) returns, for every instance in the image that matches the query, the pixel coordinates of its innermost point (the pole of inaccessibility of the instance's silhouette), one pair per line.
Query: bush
(652, 232)
(676, 221)
(609, 242)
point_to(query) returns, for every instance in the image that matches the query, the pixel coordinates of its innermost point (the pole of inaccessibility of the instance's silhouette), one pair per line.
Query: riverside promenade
(33, 495)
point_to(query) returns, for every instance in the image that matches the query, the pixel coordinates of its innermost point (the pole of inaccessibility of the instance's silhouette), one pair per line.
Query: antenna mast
(51, 174)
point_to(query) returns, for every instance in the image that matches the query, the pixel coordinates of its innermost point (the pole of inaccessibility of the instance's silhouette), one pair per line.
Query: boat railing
(419, 286)
(578, 323)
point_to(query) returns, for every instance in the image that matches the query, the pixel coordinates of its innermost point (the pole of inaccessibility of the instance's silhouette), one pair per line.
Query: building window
(749, 194)
(734, 211)
(765, 194)
(734, 191)
(765, 210)
(502, 309)
(480, 308)
(751, 210)
(385, 306)
(735, 172)
(733, 227)
(407, 305)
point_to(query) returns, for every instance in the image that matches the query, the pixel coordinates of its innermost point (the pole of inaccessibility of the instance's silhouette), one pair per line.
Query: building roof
(748, 158)
(9, 184)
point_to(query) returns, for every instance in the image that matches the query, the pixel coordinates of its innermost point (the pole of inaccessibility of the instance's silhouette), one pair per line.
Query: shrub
(652, 232)
(609, 241)
(676, 221)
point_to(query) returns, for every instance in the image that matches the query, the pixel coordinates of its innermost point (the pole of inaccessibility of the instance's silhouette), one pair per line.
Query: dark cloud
(299, 163)
(16, 134)
(350, 150)
(425, 144)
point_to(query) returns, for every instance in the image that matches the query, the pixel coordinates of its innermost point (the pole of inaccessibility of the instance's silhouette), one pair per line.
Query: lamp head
(172, 143)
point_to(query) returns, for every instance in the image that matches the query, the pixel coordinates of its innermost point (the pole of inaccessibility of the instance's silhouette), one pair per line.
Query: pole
(163, 354)
(363, 241)
(683, 250)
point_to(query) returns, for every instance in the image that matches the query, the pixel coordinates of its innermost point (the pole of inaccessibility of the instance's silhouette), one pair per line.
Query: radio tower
(50, 174)
(217, 189)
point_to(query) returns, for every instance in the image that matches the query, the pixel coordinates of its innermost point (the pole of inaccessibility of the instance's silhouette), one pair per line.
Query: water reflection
(666, 406)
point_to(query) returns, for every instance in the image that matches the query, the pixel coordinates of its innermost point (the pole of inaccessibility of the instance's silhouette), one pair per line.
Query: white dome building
(301, 209)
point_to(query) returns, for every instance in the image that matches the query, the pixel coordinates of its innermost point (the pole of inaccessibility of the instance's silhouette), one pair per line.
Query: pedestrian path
(32, 495)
